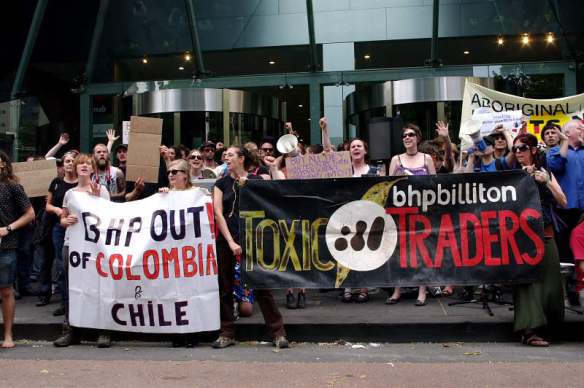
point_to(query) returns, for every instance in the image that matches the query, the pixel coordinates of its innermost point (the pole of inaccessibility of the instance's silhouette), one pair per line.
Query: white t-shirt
(103, 193)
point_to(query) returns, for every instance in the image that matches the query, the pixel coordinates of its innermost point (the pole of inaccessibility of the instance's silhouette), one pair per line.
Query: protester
(267, 149)
(541, 303)
(84, 166)
(195, 165)
(226, 204)
(208, 151)
(15, 212)
(577, 245)
(57, 190)
(412, 162)
(550, 135)
(122, 157)
(112, 178)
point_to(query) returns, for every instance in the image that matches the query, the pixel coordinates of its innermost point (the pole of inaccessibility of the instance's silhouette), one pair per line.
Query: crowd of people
(40, 255)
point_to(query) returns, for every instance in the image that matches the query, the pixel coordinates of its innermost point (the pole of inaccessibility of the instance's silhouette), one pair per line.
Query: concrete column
(337, 57)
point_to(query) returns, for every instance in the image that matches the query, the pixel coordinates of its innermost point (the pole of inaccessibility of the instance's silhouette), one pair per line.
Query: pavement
(326, 319)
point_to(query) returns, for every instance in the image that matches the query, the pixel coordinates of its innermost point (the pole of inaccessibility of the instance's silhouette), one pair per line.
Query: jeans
(58, 241)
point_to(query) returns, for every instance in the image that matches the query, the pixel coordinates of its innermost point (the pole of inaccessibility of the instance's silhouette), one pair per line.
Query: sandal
(347, 297)
(363, 297)
(391, 300)
(447, 291)
(420, 303)
(534, 340)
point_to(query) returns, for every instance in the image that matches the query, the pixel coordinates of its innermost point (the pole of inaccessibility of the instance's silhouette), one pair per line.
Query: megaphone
(473, 129)
(288, 144)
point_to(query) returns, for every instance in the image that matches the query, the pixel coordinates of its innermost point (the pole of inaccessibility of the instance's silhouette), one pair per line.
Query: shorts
(7, 267)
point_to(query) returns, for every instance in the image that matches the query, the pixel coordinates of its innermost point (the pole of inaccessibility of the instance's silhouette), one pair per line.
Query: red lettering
(508, 236)
(465, 219)
(417, 241)
(189, 254)
(156, 261)
(100, 257)
(539, 245)
(211, 262)
(489, 238)
(168, 257)
(200, 251)
(211, 216)
(402, 216)
(129, 274)
(119, 272)
(447, 240)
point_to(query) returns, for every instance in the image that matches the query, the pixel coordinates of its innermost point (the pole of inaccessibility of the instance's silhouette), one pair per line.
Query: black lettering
(114, 229)
(150, 308)
(182, 231)
(85, 258)
(115, 308)
(87, 217)
(180, 313)
(134, 226)
(136, 314)
(161, 316)
(196, 212)
(74, 259)
(162, 236)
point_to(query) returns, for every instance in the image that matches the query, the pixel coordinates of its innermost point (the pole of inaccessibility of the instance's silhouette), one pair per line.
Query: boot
(70, 337)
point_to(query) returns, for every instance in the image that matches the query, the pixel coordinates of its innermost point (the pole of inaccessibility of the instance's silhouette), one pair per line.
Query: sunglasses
(408, 134)
(174, 172)
(520, 148)
(208, 150)
(195, 157)
(267, 149)
(499, 137)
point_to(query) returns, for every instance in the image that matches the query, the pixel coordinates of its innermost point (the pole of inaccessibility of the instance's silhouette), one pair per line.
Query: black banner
(460, 229)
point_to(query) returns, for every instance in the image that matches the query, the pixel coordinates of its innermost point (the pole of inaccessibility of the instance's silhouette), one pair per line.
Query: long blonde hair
(183, 165)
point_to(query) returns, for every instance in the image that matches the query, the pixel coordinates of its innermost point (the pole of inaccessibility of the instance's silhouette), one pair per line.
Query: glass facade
(88, 54)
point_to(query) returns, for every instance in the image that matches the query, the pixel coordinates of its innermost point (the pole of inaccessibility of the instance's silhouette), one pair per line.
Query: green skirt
(541, 303)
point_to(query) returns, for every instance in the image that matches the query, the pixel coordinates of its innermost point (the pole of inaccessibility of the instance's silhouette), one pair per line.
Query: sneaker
(301, 301)
(223, 342)
(104, 340)
(290, 301)
(70, 337)
(281, 342)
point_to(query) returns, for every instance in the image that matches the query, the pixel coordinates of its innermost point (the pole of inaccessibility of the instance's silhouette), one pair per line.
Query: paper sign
(511, 120)
(143, 152)
(35, 176)
(125, 132)
(323, 165)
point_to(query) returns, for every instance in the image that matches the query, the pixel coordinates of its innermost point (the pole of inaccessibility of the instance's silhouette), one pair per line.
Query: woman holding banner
(84, 166)
(541, 303)
(411, 162)
(226, 204)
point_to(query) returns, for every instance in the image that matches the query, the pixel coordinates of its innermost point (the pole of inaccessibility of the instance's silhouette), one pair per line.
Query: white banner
(539, 112)
(146, 266)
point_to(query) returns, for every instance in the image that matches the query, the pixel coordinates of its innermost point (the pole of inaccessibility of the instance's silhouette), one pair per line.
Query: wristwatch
(9, 228)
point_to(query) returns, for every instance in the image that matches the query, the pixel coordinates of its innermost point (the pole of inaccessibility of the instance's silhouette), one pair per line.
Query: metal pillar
(95, 39)
(315, 112)
(33, 31)
(434, 61)
(200, 64)
(314, 66)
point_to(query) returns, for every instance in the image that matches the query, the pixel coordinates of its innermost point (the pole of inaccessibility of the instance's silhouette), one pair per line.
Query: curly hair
(6, 173)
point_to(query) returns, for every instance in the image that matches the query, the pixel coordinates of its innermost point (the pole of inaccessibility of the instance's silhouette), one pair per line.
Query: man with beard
(110, 177)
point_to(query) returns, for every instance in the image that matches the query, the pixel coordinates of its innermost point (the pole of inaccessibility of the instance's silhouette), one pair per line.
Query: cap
(124, 146)
(207, 144)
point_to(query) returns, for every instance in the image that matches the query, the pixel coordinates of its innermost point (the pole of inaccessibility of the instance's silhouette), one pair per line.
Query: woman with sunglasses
(226, 204)
(411, 162)
(195, 165)
(541, 303)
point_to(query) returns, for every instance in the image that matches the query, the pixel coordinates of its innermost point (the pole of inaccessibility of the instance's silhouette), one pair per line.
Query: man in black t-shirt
(15, 213)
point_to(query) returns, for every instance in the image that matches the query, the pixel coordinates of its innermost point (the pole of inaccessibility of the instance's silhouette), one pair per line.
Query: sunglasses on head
(520, 148)
(408, 134)
(174, 172)
(195, 157)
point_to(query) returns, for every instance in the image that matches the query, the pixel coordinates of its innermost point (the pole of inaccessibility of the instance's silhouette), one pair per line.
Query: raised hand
(111, 135)
(442, 129)
(323, 122)
(64, 139)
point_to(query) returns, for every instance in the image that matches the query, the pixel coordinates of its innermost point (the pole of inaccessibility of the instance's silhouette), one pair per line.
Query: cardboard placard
(35, 176)
(323, 165)
(143, 152)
